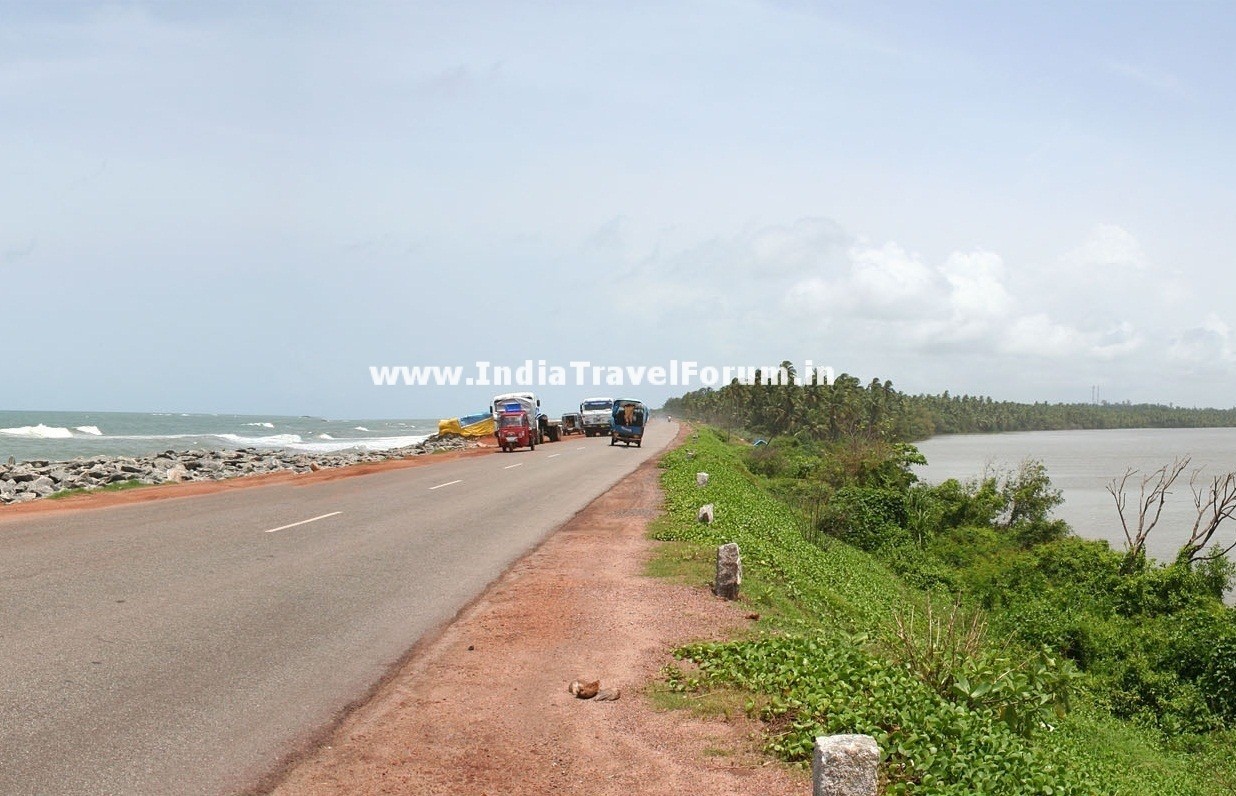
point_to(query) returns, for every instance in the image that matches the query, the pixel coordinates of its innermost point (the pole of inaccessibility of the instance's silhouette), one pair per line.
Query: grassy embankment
(959, 700)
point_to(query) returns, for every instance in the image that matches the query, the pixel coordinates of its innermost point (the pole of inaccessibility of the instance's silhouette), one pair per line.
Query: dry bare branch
(1155, 487)
(1215, 504)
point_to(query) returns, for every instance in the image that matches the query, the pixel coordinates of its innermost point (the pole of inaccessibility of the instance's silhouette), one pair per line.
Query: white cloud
(1108, 247)
(807, 245)
(1038, 335)
(888, 278)
(1116, 342)
(1207, 345)
(976, 286)
(1103, 314)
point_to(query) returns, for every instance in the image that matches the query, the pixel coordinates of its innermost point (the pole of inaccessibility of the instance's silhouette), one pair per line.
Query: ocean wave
(273, 441)
(360, 428)
(327, 445)
(263, 425)
(157, 436)
(371, 444)
(91, 430)
(38, 432)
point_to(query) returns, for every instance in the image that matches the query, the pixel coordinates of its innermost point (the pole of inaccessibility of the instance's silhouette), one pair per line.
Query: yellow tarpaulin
(477, 428)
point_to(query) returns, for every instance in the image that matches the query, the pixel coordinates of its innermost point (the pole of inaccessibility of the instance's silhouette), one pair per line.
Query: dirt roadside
(484, 707)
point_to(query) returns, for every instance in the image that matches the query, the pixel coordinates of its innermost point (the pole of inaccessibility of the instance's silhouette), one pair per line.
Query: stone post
(729, 572)
(705, 514)
(845, 765)
(701, 479)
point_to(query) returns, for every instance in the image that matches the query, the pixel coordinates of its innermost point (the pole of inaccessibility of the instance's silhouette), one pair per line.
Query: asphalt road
(184, 646)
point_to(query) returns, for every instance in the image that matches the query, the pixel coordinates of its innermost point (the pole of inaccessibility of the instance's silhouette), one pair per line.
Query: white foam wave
(158, 436)
(91, 430)
(38, 432)
(273, 441)
(263, 425)
(371, 444)
(325, 436)
(360, 428)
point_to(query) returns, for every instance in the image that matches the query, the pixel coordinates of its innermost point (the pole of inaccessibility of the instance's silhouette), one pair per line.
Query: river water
(1082, 463)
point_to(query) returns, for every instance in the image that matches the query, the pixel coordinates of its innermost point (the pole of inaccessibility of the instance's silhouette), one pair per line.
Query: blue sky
(243, 206)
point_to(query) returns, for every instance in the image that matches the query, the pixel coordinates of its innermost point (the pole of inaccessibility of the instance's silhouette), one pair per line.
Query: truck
(544, 429)
(597, 414)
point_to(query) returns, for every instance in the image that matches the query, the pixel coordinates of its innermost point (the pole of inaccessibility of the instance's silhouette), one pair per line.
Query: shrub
(867, 518)
(977, 503)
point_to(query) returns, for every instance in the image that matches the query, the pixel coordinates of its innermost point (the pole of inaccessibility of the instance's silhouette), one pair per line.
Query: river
(1082, 463)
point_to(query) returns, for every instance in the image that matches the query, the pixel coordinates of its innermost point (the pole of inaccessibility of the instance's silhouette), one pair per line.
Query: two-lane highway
(186, 645)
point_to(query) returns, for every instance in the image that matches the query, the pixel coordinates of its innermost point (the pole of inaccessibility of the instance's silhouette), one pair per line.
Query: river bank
(1082, 464)
(23, 482)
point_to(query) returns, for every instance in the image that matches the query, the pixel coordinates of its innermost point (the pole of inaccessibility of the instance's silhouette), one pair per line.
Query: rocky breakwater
(24, 481)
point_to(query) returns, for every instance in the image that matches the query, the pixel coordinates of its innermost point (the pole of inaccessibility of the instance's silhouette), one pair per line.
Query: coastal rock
(194, 465)
(176, 474)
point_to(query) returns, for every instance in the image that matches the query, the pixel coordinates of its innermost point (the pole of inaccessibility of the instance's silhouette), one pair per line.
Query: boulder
(845, 765)
(176, 474)
(729, 572)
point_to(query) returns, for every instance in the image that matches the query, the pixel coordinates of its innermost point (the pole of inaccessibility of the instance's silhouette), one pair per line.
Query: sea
(60, 436)
(1082, 463)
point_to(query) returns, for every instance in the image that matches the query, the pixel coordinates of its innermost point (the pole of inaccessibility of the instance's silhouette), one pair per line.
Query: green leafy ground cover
(951, 647)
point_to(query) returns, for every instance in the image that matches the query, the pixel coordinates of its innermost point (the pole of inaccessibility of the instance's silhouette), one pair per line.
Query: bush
(1218, 679)
(867, 518)
(1156, 590)
(978, 503)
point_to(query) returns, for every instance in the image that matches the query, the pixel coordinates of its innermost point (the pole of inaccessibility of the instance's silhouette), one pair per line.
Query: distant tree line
(847, 408)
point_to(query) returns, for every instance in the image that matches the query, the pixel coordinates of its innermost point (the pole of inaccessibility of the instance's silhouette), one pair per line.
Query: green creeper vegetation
(987, 649)
(118, 486)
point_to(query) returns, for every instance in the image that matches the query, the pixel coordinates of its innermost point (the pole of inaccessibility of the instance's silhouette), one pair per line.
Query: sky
(243, 206)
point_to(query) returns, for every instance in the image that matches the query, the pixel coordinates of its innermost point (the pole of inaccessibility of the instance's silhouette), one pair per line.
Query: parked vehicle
(597, 415)
(544, 428)
(515, 431)
(627, 421)
(572, 423)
